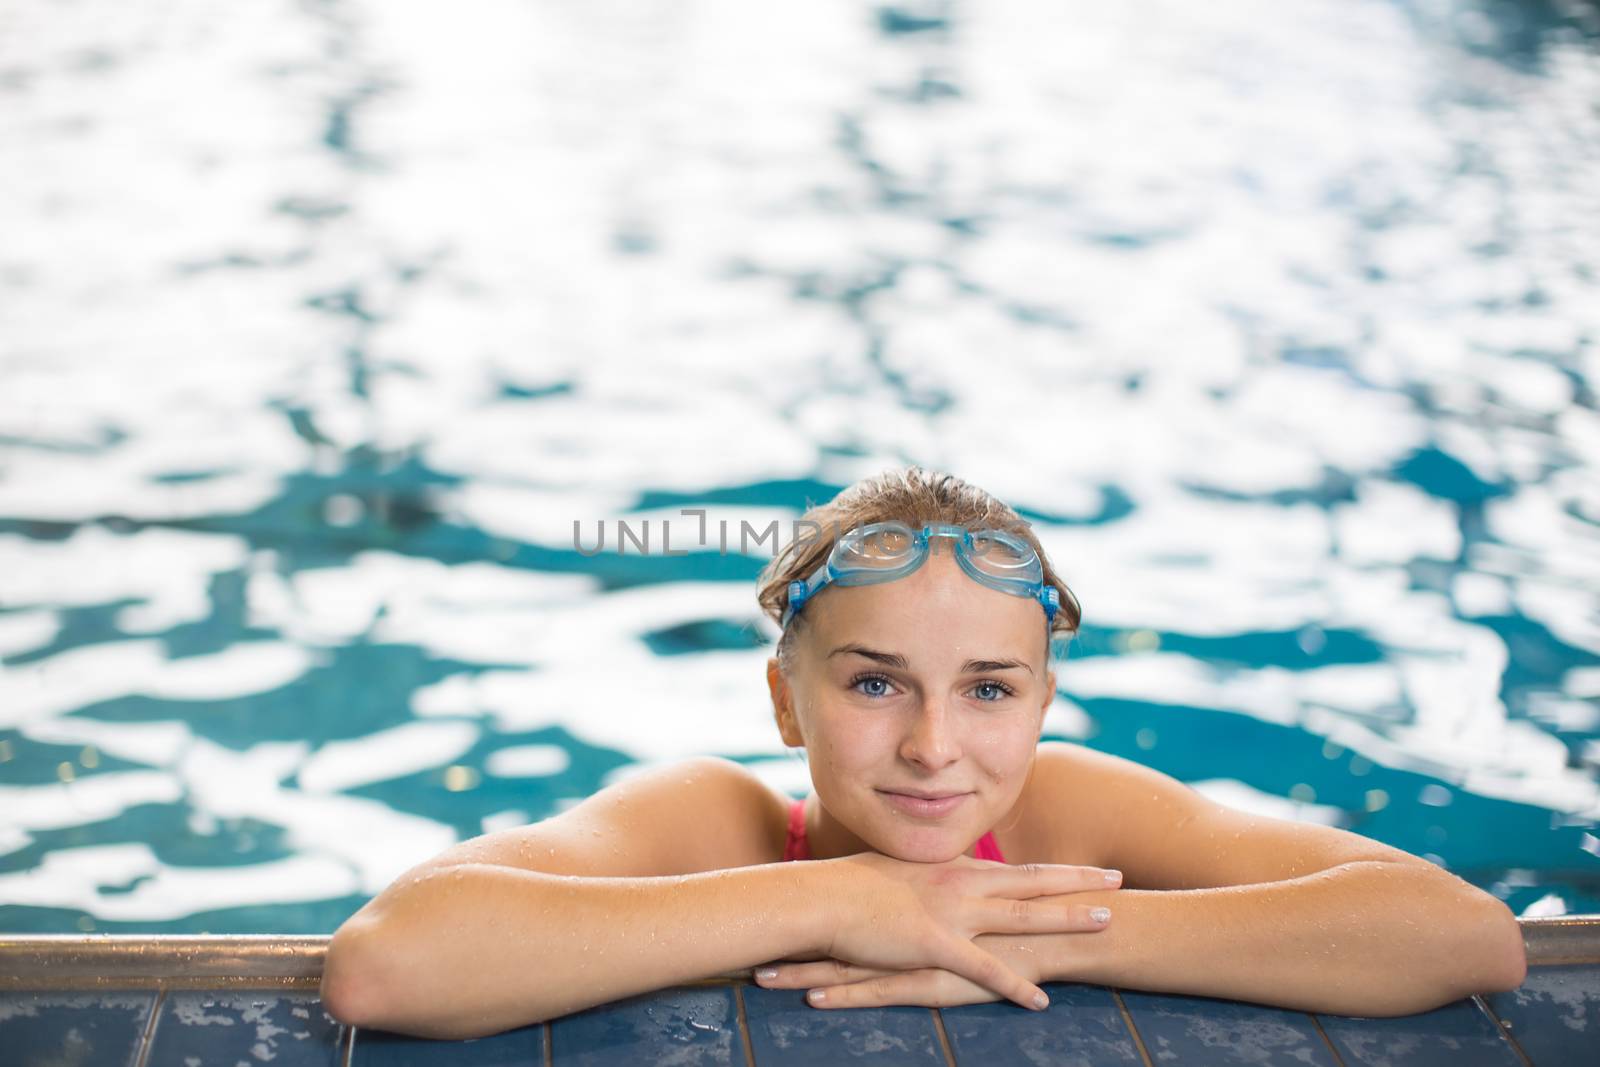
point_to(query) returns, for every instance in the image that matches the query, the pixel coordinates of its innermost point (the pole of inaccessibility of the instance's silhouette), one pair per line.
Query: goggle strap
(799, 593)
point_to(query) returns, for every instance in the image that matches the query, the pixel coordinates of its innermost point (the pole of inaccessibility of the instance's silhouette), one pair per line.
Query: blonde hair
(911, 495)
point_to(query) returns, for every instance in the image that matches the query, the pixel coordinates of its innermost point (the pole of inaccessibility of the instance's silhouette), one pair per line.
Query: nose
(931, 742)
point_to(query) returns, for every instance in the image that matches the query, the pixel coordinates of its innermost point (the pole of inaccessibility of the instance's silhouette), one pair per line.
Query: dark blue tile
(685, 1026)
(1555, 1014)
(1456, 1035)
(82, 1029)
(523, 1047)
(1082, 1028)
(252, 1026)
(1204, 1030)
(784, 1029)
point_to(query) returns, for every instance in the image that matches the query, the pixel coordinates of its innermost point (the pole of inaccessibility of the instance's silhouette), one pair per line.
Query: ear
(783, 705)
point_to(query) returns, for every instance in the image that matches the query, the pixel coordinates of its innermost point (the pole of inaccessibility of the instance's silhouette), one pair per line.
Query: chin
(927, 852)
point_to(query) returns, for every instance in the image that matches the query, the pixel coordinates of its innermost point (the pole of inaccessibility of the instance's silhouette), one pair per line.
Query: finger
(1040, 879)
(973, 963)
(817, 973)
(932, 987)
(1008, 915)
(898, 987)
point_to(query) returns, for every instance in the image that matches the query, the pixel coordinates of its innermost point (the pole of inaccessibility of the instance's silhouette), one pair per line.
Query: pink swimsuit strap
(796, 848)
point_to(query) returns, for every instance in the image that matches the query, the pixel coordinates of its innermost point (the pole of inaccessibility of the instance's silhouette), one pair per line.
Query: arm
(1366, 938)
(475, 949)
(1286, 913)
(1233, 905)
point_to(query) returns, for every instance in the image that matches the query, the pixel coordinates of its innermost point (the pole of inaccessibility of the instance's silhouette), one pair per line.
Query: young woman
(946, 855)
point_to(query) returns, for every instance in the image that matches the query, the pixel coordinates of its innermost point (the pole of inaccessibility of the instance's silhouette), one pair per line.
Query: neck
(826, 836)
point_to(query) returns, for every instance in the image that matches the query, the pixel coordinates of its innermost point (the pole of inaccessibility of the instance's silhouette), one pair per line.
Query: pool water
(322, 325)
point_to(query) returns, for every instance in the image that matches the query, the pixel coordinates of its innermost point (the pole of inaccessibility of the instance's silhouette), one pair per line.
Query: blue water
(322, 324)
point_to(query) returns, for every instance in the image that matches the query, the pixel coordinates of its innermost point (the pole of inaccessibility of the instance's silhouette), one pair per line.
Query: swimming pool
(321, 327)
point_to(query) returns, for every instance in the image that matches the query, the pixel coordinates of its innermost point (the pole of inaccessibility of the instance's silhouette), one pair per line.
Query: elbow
(349, 982)
(1498, 949)
(359, 989)
(1514, 951)
(1486, 954)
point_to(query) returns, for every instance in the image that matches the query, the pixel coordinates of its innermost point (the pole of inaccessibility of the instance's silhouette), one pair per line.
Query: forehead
(937, 605)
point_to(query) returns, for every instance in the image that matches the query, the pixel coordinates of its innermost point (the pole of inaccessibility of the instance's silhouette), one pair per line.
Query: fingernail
(1041, 1001)
(816, 996)
(1113, 877)
(767, 973)
(1100, 915)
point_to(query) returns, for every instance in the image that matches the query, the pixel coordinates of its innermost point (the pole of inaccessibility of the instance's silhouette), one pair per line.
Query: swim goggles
(884, 551)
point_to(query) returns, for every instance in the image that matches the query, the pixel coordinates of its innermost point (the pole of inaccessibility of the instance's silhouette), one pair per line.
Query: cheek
(853, 740)
(1005, 753)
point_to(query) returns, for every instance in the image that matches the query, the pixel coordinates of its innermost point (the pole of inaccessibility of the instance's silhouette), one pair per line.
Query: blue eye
(869, 678)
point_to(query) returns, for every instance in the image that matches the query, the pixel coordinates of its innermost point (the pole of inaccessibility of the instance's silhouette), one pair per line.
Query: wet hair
(911, 495)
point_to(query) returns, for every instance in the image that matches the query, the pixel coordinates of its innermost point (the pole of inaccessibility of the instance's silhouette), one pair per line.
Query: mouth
(924, 804)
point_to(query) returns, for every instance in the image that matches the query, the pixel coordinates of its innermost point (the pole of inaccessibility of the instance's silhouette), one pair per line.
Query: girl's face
(931, 683)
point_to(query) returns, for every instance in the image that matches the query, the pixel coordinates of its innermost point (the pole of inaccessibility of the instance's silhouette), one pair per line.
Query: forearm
(1368, 938)
(477, 949)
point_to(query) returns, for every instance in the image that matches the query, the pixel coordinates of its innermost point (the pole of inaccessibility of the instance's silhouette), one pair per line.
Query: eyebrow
(894, 659)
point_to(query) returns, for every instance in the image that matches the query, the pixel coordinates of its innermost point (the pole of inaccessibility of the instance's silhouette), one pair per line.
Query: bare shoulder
(701, 814)
(1164, 834)
(1058, 825)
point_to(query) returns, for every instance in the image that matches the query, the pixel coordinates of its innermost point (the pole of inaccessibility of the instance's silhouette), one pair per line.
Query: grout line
(149, 1038)
(1127, 1020)
(1326, 1040)
(944, 1038)
(1503, 1027)
(549, 1042)
(744, 1024)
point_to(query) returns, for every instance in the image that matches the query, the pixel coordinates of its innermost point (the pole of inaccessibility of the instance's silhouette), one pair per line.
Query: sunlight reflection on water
(320, 327)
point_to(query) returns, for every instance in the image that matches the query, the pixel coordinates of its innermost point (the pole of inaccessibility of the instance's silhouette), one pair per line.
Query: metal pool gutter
(175, 961)
(271, 961)
(1562, 939)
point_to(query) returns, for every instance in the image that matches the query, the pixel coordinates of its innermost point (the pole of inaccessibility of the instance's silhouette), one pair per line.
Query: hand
(837, 984)
(899, 916)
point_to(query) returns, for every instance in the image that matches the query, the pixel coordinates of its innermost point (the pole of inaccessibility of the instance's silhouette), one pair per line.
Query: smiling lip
(925, 806)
